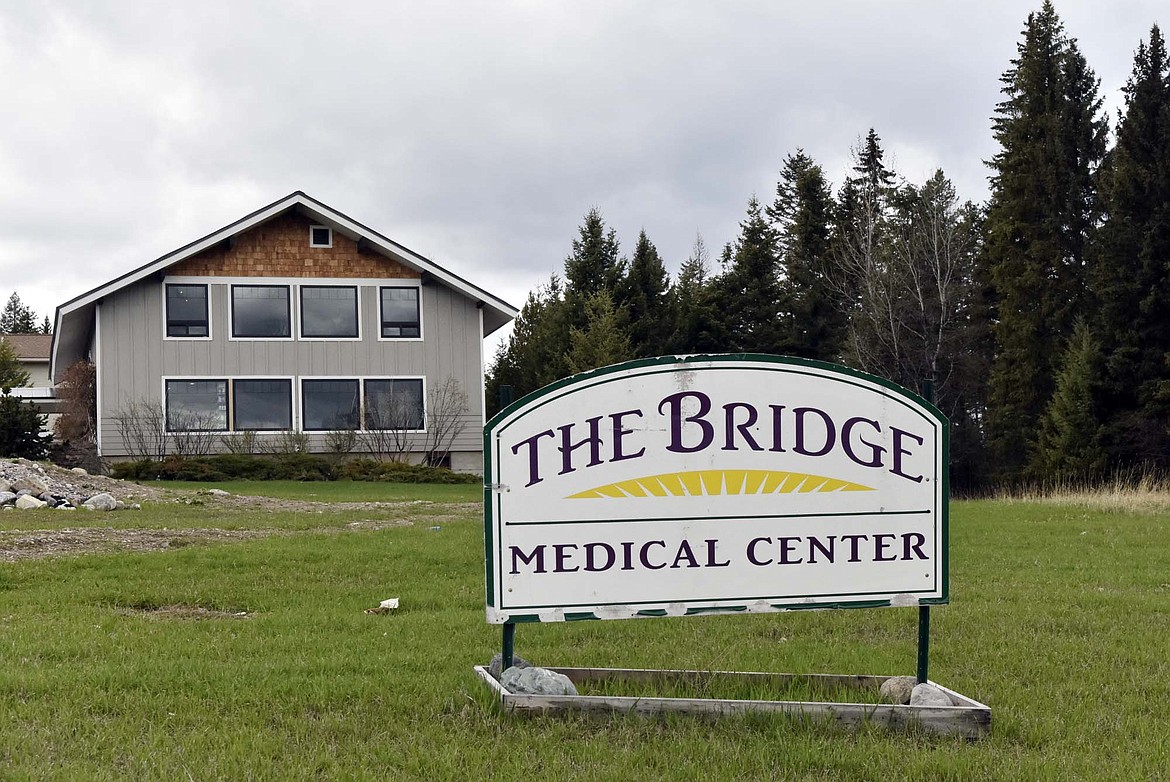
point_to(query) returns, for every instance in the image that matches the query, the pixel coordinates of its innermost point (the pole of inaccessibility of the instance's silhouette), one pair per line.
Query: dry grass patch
(182, 611)
(1143, 495)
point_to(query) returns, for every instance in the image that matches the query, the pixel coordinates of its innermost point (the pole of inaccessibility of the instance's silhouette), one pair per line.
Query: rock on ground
(29, 502)
(495, 667)
(537, 681)
(929, 695)
(100, 502)
(897, 689)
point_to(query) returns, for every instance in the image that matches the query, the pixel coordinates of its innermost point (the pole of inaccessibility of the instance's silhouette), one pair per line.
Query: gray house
(293, 325)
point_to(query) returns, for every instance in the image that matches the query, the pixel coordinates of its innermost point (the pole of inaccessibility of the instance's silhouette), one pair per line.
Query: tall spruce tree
(644, 295)
(696, 326)
(17, 318)
(12, 371)
(595, 263)
(534, 354)
(1043, 206)
(813, 323)
(601, 340)
(1129, 267)
(749, 290)
(1068, 447)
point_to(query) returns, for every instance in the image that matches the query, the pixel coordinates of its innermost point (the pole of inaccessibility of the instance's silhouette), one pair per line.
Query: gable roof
(71, 332)
(29, 347)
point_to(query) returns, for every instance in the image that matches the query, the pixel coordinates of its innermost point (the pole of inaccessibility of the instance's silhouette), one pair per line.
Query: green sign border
(670, 363)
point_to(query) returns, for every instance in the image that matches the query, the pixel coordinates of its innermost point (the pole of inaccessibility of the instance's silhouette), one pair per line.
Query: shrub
(399, 472)
(20, 429)
(226, 467)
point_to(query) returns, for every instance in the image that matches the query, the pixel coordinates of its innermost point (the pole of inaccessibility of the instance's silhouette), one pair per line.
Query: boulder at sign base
(536, 681)
(897, 689)
(929, 695)
(495, 667)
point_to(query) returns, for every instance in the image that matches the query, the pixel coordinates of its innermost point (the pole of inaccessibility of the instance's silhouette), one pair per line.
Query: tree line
(1039, 320)
(16, 318)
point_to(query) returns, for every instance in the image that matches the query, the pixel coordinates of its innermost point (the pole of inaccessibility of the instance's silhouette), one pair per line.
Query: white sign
(714, 484)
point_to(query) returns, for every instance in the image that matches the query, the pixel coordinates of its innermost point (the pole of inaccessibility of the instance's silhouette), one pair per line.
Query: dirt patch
(183, 611)
(65, 541)
(38, 544)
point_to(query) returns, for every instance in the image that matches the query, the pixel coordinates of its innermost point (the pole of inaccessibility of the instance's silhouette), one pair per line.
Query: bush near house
(20, 429)
(292, 466)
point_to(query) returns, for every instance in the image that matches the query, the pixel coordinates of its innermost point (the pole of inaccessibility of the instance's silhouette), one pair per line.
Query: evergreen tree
(595, 264)
(813, 322)
(534, 354)
(12, 372)
(1042, 208)
(1129, 270)
(601, 340)
(46, 326)
(20, 430)
(748, 290)
(17, 318)
(1069, 446)
(696, 326)
(644, 297)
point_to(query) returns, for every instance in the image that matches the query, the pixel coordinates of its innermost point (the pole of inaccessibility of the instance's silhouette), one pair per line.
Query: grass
(1058, 622)
(338, 491)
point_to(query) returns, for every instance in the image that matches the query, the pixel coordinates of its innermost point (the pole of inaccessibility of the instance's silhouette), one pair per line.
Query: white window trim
(261, 282)
(301, 388)
(314, 244)
(197, 378)
(296, 390)
(230, 379)
(292, 401)
(300, 314)
(378, 315)
(187, 281)
(423, 378)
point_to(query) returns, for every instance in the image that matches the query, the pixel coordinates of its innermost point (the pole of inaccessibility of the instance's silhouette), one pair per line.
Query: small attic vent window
(320, 236)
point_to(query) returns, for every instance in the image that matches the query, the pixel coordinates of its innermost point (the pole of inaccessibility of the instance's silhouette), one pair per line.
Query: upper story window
(329, 311)
(320, 236)
(400, 313)
(261, 311)
(187, 311)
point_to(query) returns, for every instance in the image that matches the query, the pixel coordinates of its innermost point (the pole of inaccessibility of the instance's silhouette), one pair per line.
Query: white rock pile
(26, 485)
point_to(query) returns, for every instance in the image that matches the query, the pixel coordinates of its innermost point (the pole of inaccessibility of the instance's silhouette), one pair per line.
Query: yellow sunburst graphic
(711, 483)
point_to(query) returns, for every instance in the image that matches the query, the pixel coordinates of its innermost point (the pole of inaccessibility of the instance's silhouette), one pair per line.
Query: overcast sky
(478, 134)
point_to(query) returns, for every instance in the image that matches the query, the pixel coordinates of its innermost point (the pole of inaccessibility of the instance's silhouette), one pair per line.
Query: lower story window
(196, 405)
(330, 405)
(394, 404)
(261, 404)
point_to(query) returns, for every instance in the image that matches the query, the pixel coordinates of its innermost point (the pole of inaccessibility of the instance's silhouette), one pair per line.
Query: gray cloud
(477, 134)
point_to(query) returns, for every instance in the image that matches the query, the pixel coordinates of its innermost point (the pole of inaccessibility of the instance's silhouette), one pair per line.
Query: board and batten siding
(135, 356)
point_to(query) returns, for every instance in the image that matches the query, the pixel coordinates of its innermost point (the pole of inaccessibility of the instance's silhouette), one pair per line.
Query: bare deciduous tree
(391, 421)
(192, 433)
(239, 442)
(447, 412)
(78, 394)
(142, 426)
(342, 441)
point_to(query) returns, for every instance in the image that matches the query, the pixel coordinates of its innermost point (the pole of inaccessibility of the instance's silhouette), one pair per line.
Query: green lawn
(1059, 620)
(339, 491)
